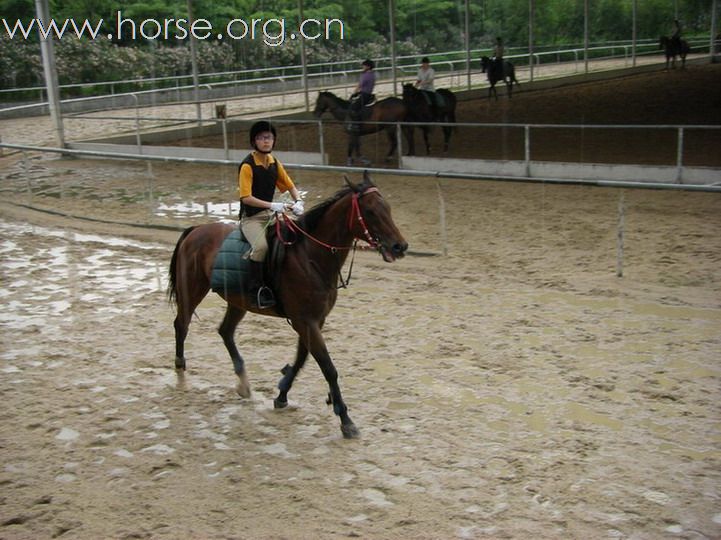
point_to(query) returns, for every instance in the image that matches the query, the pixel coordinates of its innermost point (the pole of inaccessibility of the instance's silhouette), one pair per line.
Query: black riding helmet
(370, 63)
(260, 127)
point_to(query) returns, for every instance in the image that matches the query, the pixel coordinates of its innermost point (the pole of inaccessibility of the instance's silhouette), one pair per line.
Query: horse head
(371, 220)
(485, 63)
(409, 90)
(327, 101)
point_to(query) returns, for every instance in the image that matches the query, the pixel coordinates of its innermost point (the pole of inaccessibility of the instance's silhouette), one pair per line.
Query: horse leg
(310, 333)
(351, 146)
(189, 293)
(408, 132)
(411, 138)
(181, 323)
(446, 138)
(426, 130)
(390, 133)
(233, 315)
(289, 375)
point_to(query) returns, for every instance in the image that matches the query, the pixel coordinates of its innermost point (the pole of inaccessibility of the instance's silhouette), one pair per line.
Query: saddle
(434, 99)
(359, 109)
(231, 267)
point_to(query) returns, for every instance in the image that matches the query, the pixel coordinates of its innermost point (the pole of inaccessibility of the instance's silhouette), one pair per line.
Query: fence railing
(450, 66)
(673, 155)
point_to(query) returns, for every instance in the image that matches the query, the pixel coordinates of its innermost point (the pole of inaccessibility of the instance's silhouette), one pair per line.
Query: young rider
(260, 174)
(366, 84)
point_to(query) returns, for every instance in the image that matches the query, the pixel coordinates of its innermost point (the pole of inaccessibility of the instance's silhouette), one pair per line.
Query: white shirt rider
(425, 76)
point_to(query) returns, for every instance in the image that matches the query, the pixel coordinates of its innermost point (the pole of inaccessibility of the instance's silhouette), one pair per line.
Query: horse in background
(672, 49)
(507, 75)
(388, 111)
(422, 111)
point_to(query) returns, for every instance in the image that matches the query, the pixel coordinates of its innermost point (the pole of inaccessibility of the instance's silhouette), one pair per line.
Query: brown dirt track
(514, 389)
(677, 97)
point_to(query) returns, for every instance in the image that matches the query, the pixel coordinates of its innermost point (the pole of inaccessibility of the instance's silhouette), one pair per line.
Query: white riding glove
(277, 207)
(298, 208)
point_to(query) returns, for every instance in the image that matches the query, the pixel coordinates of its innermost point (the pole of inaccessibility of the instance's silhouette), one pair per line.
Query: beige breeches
(254, 229)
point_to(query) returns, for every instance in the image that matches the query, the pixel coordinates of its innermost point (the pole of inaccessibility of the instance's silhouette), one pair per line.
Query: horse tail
(173, 269)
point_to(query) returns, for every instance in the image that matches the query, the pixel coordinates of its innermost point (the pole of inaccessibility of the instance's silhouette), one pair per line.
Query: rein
(355, 214)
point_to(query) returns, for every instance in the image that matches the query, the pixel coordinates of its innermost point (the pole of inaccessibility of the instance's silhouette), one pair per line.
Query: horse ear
(350, 184)
(367, 182)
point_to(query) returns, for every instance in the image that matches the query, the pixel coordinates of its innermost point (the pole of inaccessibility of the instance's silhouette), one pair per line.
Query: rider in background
(498, 51)
(425, 77)
(676, 37)
(424, 81)
(260, 174)
(364, 90)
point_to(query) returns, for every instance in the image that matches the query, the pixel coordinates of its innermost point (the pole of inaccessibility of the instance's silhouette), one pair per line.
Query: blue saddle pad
(231, 268)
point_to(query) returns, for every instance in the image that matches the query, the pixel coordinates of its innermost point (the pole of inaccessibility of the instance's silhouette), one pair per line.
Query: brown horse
(420, 110)
(306, 281)
(386, 110)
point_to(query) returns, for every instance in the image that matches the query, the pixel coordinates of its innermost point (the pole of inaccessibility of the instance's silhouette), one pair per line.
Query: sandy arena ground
(514, 389)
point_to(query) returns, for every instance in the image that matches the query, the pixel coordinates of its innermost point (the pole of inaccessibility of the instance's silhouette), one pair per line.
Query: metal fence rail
(400, 172)
(320, 125)
(450, 67)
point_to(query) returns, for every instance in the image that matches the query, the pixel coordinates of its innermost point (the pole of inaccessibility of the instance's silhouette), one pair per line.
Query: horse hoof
(349, 431)
(243, 387)
(277, 404)
(180, 363)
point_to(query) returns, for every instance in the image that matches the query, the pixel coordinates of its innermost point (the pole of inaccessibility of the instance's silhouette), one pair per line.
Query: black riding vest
(263, 184)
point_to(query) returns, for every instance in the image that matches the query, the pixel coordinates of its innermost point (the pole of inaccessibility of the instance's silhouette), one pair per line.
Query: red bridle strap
(355, 214)
(356, 211)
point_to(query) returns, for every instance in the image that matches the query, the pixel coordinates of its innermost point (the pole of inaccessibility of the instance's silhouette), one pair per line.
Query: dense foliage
(422, 26)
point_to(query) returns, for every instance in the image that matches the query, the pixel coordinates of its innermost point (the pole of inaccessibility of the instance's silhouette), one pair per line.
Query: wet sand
(515, 388)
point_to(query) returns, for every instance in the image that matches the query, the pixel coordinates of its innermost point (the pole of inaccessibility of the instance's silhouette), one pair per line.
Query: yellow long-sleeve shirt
(245, 176)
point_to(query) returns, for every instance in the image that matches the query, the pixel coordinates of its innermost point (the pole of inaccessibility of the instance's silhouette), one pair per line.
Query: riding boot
(263, 295)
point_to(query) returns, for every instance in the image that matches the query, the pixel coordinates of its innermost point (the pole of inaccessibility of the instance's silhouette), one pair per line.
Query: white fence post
(619, 234)
(679, 156)
(442, 218)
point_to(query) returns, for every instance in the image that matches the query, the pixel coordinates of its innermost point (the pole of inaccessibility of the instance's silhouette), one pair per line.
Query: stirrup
(265, 298)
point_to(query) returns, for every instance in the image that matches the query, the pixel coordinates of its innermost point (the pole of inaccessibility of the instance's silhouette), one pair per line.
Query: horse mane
(309, 221)
(332, 96)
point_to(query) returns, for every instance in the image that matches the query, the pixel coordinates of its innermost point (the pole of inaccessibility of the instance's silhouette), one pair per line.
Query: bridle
(354, 215)
(357, 214)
